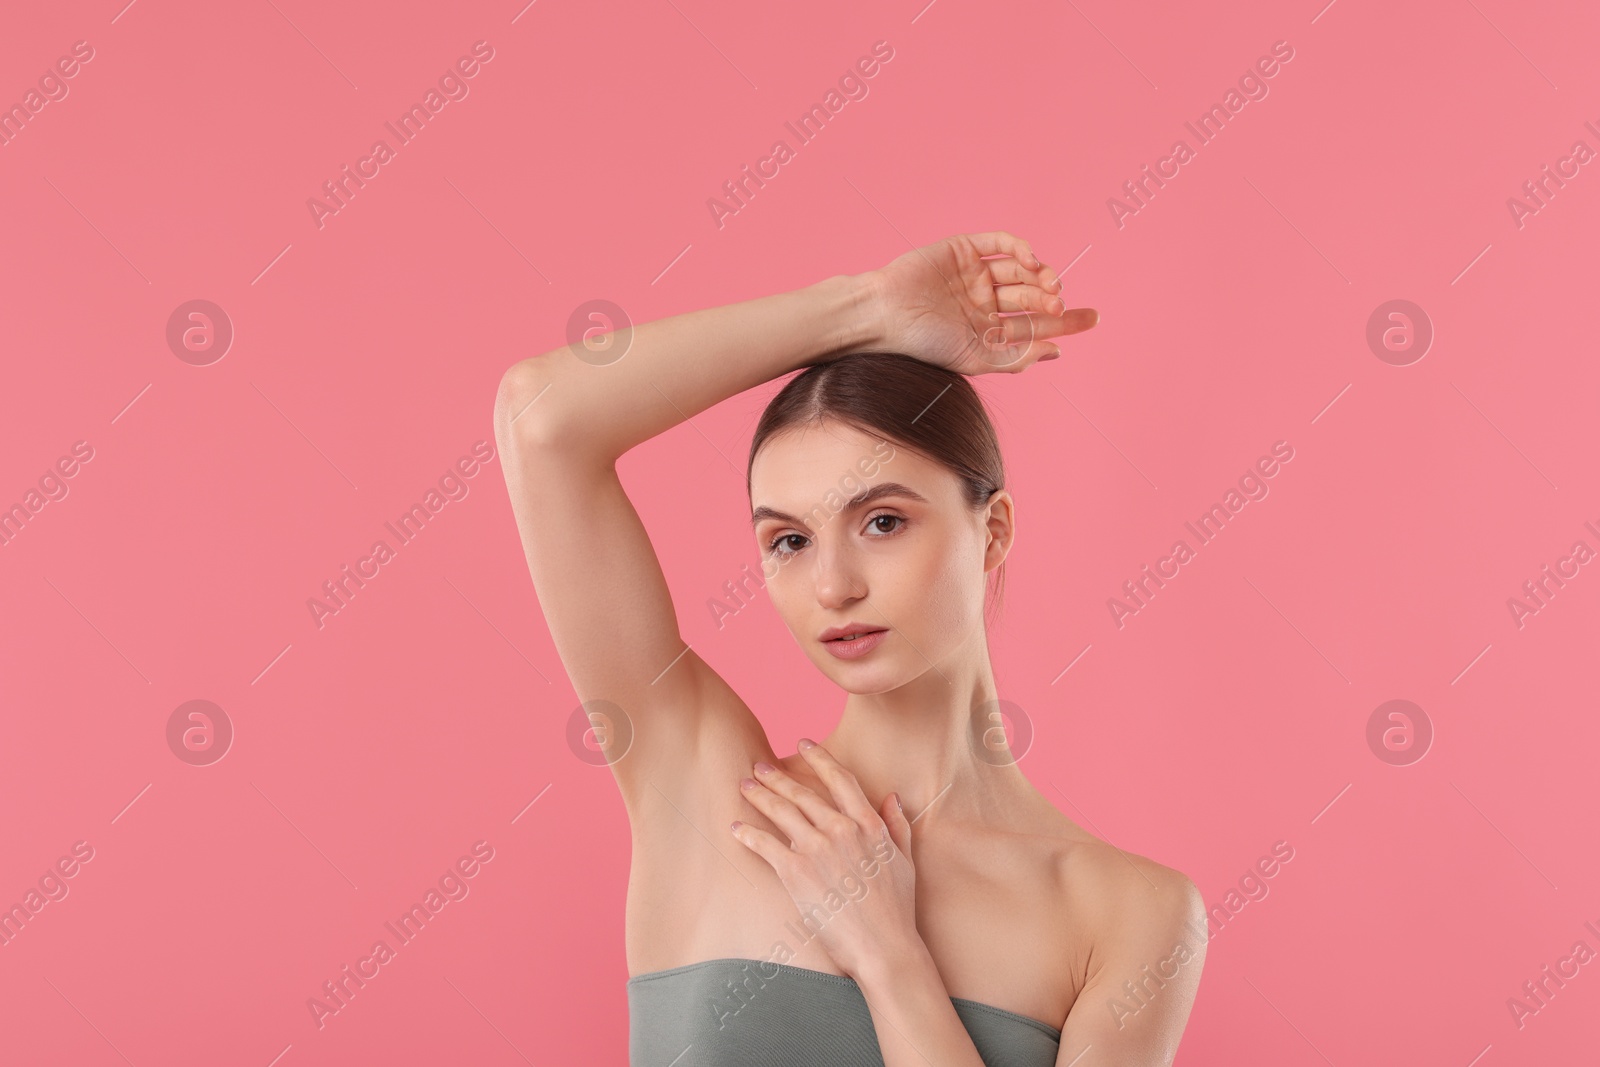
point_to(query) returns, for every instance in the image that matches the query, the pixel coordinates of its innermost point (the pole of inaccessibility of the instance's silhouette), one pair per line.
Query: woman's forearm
(916, 1022)
(676, 367)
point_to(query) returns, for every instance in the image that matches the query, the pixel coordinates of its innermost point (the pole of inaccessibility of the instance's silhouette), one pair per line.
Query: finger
(1028, 298)
(1015, 356)
(1020, 329)
(762, 844)
(1024, 327)
(822, 815)
(1009, 272)
(1077, 320)
(846, 790)
(1004, 243)
(784, 813)
(894, 817)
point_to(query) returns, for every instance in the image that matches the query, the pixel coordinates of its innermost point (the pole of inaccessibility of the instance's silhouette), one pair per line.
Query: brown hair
(930, 410)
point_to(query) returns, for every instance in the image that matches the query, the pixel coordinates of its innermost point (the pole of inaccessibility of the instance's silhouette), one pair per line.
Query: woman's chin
(863, 680)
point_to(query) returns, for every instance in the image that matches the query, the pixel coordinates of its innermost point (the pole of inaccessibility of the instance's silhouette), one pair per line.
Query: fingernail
(764, 768)
(1057, 306)
(806, 742)
(897, 805)
(747, 784)
(1053, 355)
(734, 825)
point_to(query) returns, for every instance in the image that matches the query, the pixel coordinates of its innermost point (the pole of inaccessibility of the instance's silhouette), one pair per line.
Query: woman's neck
(937, 741)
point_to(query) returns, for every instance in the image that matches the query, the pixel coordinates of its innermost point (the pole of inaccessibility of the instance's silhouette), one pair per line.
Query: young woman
(899, 894)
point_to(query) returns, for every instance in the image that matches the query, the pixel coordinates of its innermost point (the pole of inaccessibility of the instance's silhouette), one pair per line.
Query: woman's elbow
(520, 422)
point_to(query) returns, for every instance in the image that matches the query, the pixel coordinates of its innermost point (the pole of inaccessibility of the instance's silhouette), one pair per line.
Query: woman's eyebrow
(861, 499)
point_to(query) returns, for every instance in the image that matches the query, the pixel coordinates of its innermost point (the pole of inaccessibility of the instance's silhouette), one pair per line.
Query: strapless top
(734, 1012)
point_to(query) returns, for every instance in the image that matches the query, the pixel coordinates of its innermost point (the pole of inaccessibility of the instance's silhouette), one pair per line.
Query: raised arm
(562, 422)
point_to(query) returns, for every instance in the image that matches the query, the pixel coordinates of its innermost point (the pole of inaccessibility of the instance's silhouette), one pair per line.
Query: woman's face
(910, 559)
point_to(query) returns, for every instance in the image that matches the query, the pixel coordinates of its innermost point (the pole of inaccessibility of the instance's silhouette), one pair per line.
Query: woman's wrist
(894, 963)
(905, 991)
(858, 313)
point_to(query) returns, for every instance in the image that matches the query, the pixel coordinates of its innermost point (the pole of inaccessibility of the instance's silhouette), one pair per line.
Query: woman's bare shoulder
(1096, 880)
(1122, 890)
(1033, 884)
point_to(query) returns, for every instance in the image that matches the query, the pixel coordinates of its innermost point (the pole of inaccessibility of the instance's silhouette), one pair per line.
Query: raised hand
(846, 867)
(941, 304)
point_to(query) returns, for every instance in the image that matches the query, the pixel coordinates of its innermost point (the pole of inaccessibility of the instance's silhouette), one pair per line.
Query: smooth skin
(989, 892)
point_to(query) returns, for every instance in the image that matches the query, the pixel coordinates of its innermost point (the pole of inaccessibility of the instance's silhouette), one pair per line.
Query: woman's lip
(855, 649)
(833, 633)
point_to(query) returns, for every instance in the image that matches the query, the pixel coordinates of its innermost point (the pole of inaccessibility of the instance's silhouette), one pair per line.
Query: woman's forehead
(800, 464)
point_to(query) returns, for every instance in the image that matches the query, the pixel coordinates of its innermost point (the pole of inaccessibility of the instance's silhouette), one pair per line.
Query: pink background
(372, 752)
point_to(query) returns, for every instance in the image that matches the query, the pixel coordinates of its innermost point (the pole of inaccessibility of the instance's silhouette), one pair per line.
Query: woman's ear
(1000, 522)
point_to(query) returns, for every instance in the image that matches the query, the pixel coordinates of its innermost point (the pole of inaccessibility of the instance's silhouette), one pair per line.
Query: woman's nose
(838, 579)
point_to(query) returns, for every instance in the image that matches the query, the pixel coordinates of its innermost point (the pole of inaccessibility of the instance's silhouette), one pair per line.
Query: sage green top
(737, 1012)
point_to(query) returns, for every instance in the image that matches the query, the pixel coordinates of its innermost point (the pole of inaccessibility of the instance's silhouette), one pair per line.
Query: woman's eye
(777, 545)
(873, 522)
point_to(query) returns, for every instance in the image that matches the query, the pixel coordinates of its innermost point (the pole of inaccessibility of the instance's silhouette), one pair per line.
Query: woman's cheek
(783, 602)
(945, 608)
